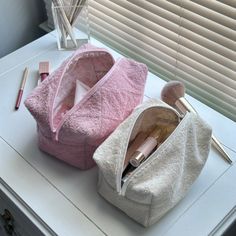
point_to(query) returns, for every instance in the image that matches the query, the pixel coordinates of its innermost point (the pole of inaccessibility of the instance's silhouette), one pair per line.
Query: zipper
(118, 181)
(55, 130)
(123, 189)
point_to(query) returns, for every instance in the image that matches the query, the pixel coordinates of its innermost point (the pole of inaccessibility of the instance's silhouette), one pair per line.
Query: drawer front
(13, 221)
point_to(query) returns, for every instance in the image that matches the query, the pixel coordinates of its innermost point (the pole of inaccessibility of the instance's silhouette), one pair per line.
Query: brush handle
(77, 12)
(183, 104)
(220, 148)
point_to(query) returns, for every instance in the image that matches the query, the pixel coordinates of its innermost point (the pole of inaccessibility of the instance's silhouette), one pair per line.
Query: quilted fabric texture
(162, 180)
(72, 132)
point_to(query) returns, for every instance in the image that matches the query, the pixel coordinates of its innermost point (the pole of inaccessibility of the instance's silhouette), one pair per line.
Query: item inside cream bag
(80, 91)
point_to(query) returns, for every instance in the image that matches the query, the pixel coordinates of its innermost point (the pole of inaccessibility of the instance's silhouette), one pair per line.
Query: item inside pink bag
(80, 91)
(88, 70)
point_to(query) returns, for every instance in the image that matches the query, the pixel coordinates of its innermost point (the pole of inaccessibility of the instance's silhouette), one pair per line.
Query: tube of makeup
(147, 147)
(139, 139)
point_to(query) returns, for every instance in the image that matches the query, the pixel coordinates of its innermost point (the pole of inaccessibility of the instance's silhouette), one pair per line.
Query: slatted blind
(190, 41)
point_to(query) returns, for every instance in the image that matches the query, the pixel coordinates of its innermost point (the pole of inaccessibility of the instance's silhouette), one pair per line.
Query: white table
(62, 200)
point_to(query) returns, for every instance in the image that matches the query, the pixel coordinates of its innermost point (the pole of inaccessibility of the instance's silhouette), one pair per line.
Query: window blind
(190, 41)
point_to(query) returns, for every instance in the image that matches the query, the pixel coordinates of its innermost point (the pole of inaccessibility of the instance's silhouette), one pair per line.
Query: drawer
(13, 221)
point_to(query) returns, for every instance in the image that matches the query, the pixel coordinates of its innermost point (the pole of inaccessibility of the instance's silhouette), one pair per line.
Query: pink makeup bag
(71, 131)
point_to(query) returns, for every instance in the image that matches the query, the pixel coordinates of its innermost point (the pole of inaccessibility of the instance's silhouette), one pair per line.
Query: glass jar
(72, 25)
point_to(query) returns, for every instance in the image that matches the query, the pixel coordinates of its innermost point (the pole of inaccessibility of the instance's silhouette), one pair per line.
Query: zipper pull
(55, 136)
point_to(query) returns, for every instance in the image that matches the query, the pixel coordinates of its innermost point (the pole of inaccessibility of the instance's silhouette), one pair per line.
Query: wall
(19, 21)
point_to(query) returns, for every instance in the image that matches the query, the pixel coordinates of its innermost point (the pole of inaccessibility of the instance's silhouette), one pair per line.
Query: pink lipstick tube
(146, 148)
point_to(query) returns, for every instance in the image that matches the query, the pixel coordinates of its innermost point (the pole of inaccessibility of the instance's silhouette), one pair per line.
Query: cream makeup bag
(164, 178)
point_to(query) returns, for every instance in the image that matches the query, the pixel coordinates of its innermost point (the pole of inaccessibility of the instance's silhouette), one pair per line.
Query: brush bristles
(44, 67)
(172, 91)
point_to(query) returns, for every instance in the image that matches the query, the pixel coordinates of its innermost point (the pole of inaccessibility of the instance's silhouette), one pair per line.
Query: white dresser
(40, 195)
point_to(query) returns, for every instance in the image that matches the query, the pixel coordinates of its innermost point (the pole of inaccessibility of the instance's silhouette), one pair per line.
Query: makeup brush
(173, 94)
(43, 70)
